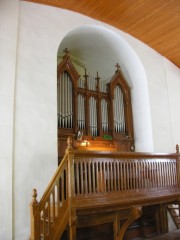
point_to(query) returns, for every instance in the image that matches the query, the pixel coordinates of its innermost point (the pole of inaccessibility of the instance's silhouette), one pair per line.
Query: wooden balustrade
(97, 179)
(52, 210)
(110, 177)
(115, 173)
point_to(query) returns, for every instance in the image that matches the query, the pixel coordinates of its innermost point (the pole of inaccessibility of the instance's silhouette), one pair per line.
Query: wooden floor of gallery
(174, 235)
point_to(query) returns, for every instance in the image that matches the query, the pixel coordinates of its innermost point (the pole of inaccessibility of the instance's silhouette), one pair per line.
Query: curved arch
(98, 44)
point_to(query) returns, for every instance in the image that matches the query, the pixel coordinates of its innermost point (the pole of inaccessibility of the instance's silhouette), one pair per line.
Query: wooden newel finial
(34, 196)
(177, 148)
(70, 142)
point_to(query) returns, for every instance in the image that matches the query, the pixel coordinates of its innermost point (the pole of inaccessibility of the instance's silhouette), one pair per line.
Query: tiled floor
(175, 235)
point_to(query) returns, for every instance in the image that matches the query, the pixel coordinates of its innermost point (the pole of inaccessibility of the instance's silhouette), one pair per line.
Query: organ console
(98, 109)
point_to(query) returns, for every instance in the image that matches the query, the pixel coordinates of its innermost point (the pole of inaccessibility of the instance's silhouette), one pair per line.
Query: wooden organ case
(89, 109)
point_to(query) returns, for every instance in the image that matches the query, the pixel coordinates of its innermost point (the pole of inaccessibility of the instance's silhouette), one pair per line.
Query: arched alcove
(99, 49)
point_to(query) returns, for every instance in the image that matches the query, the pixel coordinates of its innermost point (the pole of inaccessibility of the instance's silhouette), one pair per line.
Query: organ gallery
(102, 186)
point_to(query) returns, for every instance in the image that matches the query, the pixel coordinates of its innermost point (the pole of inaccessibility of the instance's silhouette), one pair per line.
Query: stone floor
(175, 235)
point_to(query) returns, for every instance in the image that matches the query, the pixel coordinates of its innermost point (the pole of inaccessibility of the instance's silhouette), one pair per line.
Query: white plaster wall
(163, 78)
(41, 30)
(35, 117)
(9, 10)
(173, 84)
(159, 104)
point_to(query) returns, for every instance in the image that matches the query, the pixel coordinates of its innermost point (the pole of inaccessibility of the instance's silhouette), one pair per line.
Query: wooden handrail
(94, 179)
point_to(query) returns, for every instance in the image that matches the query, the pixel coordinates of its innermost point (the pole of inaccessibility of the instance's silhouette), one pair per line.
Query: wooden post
(70, 150)
(163, 218)
(35, 217)
(72, 224)
(99, 110)
(71, 191)
(116, 225)
(178, 165)
(86, 104)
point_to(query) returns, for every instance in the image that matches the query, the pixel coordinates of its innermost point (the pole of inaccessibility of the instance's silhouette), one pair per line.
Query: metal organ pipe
(93, 116)
(103, 86)
(92, 83)
(81, 83)
(118, 108)
(104, 115)
(62, 94)
(65, 101)
(81, 112)
(122, 111)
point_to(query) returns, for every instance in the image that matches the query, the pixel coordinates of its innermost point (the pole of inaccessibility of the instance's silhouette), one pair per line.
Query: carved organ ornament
(92, 109)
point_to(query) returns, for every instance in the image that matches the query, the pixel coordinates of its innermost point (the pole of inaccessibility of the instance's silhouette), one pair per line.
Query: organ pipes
(118, 109)
(104, 114)
(89, 97)
(93, 116)
(65, 107)
(81, 112)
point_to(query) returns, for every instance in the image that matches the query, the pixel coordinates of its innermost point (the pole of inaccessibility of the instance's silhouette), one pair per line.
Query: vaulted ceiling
(154, 22)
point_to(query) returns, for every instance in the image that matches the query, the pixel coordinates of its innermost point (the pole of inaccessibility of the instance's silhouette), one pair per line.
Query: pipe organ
(97, 109)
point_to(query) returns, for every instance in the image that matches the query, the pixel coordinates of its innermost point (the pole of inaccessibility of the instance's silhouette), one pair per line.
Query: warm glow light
(85, 143)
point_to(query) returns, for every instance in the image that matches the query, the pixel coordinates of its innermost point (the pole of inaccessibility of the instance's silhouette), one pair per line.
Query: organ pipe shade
(65, 105)
(118, 109)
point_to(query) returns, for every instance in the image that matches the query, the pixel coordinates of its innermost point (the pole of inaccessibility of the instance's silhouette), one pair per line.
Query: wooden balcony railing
(94, 179)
